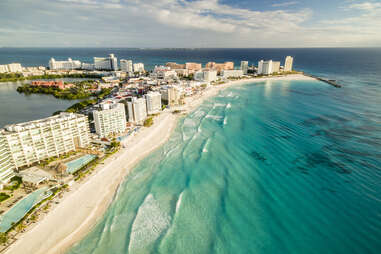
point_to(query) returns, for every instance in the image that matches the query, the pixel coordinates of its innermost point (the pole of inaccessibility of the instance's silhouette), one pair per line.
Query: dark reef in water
(257, 156)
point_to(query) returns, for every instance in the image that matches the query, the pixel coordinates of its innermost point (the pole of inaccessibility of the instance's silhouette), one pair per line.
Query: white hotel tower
(26, 143)
(110, 119)
(137, 110)
(153, 102)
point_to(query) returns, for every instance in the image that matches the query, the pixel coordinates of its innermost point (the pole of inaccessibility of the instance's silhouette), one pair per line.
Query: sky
(190, 23)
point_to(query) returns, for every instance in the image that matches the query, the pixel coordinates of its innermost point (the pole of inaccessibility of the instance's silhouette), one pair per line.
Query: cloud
(284, 4)
(183, 23)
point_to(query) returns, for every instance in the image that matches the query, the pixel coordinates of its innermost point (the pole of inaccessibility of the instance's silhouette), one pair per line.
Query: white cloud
(284, 4)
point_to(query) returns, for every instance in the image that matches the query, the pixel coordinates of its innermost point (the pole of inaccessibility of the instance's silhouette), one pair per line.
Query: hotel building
(30, 142)
(110, 119)
(64, 65)
(137, 110)
(206, 76)
(288, 63)
(126, 65)
(244, 66)
(13, 67)
(138, 67)
(170, 95)
(153, 102)
(6, 165)
(231, 73)
(109, 63)
(268, 67)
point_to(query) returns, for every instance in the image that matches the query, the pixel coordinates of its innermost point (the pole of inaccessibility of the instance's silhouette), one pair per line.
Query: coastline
(81, 208)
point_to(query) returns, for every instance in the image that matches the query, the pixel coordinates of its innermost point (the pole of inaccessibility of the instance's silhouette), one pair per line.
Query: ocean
(269, 167)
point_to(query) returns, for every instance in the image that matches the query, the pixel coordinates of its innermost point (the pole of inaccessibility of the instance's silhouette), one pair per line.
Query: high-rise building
(206, 75)
(193, 66)
(170, 95)
(153, 100)
(14, 67)
(30, 142)
(268, 67)
(109, 63)
(244, 66)
(220, 66)
(110, 119)
(3, 68)
(138, 67)
(288, 63)
(7, 167)
(231, 73)
(64, 65)
(137, 110)
(126, 65)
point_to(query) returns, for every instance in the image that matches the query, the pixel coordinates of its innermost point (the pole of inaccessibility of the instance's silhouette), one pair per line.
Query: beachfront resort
(43, 159)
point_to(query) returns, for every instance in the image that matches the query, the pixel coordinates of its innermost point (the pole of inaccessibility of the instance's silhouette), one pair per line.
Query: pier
(328, 81)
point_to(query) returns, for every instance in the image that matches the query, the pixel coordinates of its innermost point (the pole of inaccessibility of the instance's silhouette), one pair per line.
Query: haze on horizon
(190, 23)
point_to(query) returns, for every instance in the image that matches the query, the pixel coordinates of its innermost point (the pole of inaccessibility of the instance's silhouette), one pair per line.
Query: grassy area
(148, 122)
(4, 196)
(16, 181)
(10, 77)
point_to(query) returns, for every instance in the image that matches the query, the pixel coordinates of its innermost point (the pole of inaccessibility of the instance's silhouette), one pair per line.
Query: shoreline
(82, 208)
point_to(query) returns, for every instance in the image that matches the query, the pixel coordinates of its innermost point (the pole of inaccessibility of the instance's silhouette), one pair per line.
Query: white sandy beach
(81, 208)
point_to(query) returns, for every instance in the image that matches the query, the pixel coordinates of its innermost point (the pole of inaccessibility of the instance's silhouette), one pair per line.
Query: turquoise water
(76, 164)
(18, 211)
(271, 167)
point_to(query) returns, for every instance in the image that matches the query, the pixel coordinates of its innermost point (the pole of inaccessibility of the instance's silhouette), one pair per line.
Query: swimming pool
(18, 211)
(75, 165)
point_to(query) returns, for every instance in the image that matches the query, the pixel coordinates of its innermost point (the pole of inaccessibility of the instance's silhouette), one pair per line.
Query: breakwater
(328, 81)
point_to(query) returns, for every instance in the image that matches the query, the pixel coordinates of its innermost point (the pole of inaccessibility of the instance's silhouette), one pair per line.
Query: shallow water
(271, 167)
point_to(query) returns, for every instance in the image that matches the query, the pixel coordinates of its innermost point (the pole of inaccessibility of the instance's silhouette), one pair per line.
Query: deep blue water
(271, 167)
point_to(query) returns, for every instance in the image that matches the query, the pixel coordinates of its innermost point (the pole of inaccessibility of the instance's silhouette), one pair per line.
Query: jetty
(331, 82)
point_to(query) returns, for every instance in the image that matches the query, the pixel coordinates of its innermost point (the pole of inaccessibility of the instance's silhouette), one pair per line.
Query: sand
(81, 208)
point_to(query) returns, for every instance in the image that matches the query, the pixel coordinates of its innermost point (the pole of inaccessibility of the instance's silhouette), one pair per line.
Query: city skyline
(193, 24)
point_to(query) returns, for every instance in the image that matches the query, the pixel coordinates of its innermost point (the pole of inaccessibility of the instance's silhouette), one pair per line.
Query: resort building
(153, 100)
(64, 65)
(175, 66)
(206, 75)
(109, 63)
(288, 63)
(231, 73)
(220, 66)
(137, 110)
(138, 67)
(170, 95)
(35, 141)
(268, 67)
(193, 66)
(164, 72)
(126, 65)
(110, 119)
(6, 165)
(244, 67)
(58, 84)
(14, 67)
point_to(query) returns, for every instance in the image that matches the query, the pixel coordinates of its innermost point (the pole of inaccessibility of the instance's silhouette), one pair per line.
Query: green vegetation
(114, 144)
(148, 122)
(3, 238)
(79, 91)
(16, 181)
(11, 77)
(83, 104)
(203, 86)
(4, 196)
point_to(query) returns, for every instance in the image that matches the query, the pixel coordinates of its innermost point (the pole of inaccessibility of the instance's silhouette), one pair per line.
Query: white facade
(64, 65)
(231, 73)
(207, 76)
(138, 67)
(137, 110)
(30, 142)
(288, 63)
(126, 65)
(106, 63)
(268, 67)
(244, 66)
(170, 95)
(110, 119)
(3, 68)
(153, 102)
(88, 66)
(14, 67)
(7, 167)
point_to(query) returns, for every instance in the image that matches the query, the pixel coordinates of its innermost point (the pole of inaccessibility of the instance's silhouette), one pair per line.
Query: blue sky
(190, 23)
